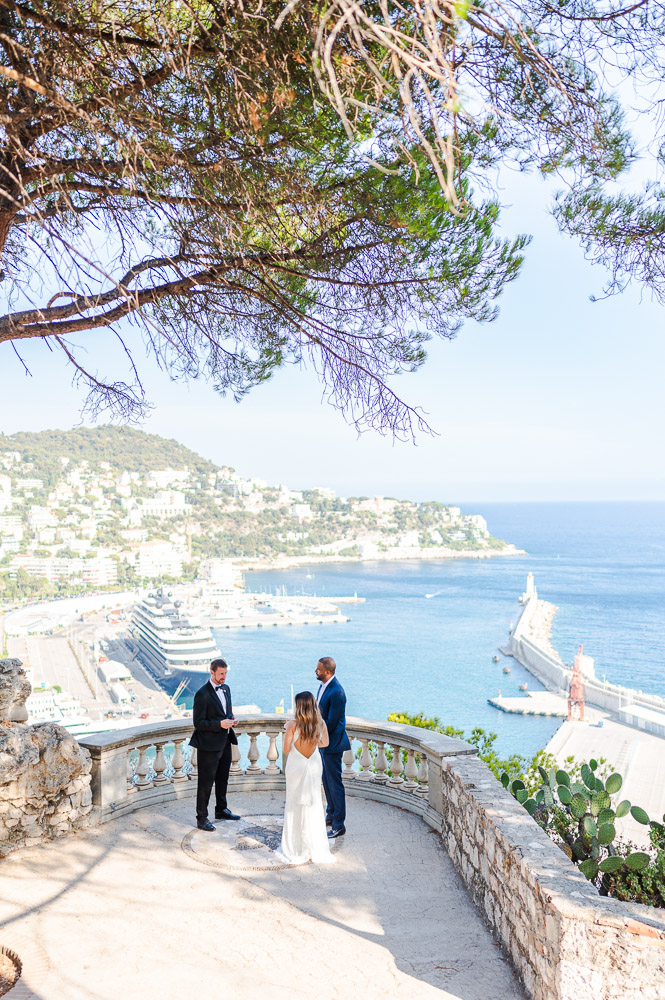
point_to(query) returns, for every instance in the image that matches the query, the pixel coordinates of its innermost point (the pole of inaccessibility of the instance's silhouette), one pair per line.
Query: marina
(108, 662)
(245, 609)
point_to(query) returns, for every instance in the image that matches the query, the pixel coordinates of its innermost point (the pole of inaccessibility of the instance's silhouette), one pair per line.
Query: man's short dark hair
(216, 664)
(328, 664)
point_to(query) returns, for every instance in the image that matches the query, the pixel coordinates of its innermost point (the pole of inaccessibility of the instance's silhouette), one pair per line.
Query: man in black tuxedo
(332, 705)
(213, 737)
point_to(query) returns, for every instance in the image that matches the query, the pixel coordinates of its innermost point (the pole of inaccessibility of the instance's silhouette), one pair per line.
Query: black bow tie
(218, 687)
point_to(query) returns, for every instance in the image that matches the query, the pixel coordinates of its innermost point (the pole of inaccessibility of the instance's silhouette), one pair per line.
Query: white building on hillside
(41, 517)
(11, 526)
(409, 540)
(221, 574)
(302, 511)
(167, 503)
(155, 559)
(163, 478)
(97, 572)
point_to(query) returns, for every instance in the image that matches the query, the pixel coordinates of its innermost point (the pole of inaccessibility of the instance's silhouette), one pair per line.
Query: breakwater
(529, 643)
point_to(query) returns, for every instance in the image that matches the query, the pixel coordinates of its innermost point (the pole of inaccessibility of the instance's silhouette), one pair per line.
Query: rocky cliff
(44, 773)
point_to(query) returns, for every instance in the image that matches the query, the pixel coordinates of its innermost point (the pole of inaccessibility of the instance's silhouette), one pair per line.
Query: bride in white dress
(304, 836)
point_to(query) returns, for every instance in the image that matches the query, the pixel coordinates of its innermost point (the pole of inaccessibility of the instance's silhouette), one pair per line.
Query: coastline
(392, 555)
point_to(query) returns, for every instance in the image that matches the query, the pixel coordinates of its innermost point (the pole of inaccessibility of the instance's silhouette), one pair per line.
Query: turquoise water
(603, 565)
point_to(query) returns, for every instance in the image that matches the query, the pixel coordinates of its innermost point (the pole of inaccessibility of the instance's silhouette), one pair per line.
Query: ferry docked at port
(171, 644)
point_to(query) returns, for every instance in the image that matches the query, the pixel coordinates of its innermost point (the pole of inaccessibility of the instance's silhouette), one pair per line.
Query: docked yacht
(168, 643)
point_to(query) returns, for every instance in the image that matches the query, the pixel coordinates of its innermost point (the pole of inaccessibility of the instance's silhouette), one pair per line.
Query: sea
(601, 564)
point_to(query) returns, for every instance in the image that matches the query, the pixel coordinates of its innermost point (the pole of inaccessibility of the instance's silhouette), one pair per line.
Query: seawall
(529, 644)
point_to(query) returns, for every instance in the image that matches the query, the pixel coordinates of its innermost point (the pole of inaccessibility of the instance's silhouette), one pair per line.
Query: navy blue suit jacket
(332, 707)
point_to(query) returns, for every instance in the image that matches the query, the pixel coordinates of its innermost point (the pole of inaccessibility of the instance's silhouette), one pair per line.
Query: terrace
(443, 887)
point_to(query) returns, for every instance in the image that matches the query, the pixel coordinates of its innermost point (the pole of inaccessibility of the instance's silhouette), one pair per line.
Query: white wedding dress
(304, 835)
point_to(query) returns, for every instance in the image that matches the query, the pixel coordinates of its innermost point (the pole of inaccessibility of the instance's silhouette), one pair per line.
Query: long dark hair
(308, 717)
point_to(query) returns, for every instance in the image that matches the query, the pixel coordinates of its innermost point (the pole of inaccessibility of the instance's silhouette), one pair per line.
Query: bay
(603, 565)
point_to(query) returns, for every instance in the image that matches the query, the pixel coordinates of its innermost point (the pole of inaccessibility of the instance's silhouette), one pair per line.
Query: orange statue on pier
(576, 694)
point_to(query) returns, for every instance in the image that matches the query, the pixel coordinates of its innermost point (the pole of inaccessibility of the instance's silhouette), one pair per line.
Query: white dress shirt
(322, 689)
(222, 697)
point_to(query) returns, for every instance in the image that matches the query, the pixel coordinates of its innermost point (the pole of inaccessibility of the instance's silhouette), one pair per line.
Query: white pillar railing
(148, 764)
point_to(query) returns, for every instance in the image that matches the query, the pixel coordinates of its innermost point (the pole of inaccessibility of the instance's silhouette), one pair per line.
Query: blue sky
(559, 399)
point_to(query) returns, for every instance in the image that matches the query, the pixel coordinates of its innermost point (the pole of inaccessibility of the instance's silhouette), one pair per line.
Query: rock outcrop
(14, 690)
(44, 773)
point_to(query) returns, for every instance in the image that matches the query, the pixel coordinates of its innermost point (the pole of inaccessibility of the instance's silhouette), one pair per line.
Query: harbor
(98, 663)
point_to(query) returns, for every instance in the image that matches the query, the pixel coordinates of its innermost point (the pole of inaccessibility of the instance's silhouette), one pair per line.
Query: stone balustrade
(145, 765)
(566, 942)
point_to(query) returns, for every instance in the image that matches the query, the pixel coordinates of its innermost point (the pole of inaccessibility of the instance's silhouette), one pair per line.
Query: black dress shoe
(334, 834)
(226, 814)
(206, 825)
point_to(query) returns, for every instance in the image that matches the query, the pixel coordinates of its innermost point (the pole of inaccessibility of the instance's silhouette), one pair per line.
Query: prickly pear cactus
(581, 815)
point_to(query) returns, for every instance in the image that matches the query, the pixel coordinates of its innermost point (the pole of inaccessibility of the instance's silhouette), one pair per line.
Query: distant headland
(109, 507)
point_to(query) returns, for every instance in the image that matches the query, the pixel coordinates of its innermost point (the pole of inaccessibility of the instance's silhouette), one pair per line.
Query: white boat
(170, 644)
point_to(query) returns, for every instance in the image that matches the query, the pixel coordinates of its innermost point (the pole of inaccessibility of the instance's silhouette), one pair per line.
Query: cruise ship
(169, 644)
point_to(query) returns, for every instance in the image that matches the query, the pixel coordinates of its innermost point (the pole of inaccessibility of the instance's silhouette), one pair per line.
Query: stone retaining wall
(565, 941)
(44, 784)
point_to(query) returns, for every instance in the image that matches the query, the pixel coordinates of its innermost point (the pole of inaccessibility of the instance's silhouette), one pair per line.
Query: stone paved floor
(129, 911)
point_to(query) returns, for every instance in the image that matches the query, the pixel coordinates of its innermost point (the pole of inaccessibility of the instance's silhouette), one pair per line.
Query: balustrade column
(365, 762)
(131, 784)
(143, 769)
(273, 754)
(178, 761)
(423, 777)
(159, 765)
(410, 771)
(396, 766)
(253, 754)
(381, 764)
(193, 760)
(235, 759)
(348, 774)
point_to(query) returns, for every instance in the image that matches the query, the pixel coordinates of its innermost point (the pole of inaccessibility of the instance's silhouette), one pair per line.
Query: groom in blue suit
(332, 703)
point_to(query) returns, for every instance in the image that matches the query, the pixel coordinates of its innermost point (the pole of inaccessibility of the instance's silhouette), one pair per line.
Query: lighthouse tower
(576, 694)
(530, 590)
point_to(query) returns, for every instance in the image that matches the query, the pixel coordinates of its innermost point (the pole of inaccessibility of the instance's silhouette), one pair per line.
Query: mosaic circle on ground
(249, 844)
(10, 969)
(33, 965)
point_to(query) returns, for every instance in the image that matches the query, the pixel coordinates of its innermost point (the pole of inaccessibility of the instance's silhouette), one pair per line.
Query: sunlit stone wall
(566, 942)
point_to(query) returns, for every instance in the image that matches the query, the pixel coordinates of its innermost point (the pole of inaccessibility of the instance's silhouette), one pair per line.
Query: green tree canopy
(254, 182)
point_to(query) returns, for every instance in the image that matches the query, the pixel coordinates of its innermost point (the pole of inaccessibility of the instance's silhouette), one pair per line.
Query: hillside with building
(114, 507)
